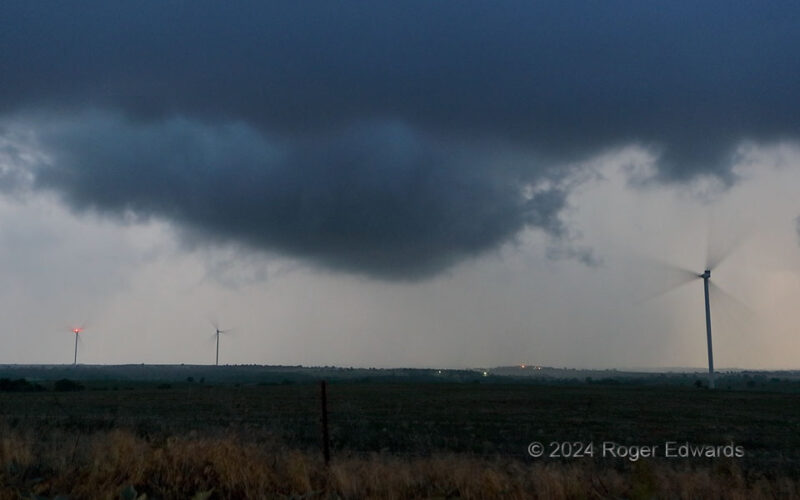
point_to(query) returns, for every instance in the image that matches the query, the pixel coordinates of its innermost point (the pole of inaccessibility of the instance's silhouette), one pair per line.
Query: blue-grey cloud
(377, 198)
(296, 98)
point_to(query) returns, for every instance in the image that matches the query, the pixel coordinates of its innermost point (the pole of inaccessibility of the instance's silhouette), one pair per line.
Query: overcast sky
(443, 184)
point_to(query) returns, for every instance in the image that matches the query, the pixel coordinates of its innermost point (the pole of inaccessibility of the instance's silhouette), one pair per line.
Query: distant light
(77, 330)
(522, 366)
(439, 372)
(485, 374)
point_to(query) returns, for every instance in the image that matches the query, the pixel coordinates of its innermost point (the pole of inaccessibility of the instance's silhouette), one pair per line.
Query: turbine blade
(709, 239)
(667, 277)
(679, 272)
(736, 323)
(715, 259)
(718, 249)
(214, 324)
(740, 307)
(661, 293)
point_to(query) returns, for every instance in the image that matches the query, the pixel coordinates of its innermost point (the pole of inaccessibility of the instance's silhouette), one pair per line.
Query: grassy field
(392, 439)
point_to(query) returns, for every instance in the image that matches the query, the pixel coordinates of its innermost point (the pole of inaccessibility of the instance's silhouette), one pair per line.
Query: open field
(411, 439)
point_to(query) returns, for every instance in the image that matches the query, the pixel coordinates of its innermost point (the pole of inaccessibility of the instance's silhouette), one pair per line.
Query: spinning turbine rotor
(713, 261)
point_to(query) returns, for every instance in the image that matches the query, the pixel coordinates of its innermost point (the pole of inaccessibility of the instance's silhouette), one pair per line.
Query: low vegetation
(119, 464)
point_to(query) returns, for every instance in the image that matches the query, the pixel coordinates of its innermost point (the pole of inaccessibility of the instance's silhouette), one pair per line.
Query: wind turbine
(218, 331)
(713, 261)
(77, 331)
(714, 258)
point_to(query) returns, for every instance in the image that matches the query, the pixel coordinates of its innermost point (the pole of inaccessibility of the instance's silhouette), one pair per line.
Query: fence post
(326, 447)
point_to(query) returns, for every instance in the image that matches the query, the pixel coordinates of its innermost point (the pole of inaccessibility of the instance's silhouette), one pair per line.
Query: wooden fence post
(326, 447)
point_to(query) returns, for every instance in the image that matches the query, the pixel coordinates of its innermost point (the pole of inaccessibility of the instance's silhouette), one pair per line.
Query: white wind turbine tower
(706, 278)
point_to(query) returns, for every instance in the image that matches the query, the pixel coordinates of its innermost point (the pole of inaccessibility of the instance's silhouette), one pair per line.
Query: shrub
(18, 385)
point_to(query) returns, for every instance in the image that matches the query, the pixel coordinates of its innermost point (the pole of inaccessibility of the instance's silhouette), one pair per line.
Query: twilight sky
(453, 184)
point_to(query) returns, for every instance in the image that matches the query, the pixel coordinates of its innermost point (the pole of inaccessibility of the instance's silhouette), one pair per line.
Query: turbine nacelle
(706, 275)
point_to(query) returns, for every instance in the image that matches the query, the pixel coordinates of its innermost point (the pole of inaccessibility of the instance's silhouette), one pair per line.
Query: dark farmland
(421, 418)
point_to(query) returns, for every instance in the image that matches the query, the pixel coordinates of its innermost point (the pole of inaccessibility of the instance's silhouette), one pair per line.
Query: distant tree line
(22, 385)
(18, 385)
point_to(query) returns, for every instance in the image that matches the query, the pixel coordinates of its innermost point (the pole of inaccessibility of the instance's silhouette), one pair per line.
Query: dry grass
(102, 464)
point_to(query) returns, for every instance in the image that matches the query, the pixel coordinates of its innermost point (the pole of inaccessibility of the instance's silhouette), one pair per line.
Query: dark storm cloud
(304, 171)
(375, 198)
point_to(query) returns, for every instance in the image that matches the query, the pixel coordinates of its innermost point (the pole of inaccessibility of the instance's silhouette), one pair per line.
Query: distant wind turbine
(218, 332)
(77, 331)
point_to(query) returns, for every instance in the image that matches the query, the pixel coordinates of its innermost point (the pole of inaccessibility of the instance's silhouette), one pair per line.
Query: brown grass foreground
(103, 464)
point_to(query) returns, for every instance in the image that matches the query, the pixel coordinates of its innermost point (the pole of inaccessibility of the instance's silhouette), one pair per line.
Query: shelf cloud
(392, 140)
